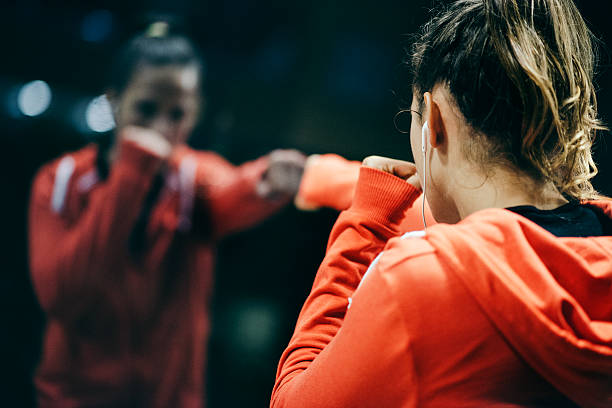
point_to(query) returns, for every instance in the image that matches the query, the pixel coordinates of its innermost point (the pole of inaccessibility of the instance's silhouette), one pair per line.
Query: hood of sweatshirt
(550, 297)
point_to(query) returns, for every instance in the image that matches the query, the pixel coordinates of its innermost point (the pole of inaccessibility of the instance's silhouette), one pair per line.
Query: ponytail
(521, 72)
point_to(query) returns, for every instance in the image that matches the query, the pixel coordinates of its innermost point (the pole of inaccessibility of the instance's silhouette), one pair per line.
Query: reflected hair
(158, 45)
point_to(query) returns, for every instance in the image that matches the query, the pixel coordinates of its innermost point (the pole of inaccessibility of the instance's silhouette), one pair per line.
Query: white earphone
(424, 135)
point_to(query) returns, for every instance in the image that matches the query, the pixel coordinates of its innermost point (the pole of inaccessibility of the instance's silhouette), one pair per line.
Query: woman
(121, 239)
(506, 301)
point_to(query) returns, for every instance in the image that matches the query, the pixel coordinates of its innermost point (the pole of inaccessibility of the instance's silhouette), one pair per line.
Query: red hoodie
(125, 330)
(491, 312)
(329, 180)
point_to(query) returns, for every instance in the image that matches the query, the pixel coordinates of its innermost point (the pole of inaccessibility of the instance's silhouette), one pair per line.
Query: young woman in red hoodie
(121, 239)
(505, 302)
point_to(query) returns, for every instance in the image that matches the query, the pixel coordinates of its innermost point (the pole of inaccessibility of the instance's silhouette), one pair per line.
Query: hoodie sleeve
(329, 180)
(70, 255)
(357, 238)
(352, 370)
(229, 194)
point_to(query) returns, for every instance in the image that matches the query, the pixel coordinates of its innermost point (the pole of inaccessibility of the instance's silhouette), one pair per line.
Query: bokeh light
(99, 115)
(34, 98)
(254, 327)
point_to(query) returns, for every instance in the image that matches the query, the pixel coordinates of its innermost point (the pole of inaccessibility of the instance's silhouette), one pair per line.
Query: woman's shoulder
(426, 293)
(81, 159)
(65, 169)
(410, 262)
(183, 151)
(422, 258)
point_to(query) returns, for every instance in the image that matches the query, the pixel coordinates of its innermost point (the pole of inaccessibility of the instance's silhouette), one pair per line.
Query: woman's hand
(284, 174)
(399, 168)
(148, 139)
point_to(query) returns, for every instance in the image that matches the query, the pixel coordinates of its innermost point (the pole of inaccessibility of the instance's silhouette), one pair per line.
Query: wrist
(383, 197)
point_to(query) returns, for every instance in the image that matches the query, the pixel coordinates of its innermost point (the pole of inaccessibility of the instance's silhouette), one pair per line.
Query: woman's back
(488, 312)
(492, 312)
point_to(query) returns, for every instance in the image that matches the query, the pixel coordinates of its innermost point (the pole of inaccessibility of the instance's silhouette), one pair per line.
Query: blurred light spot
(34, 98)
(255, 327)
(99, 115)
(97, 26)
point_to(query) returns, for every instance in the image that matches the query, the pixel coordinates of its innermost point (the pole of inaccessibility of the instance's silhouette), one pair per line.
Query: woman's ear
(434, 120)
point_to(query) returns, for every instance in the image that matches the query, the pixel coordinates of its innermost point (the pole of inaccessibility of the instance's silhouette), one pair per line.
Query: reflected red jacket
(491, 312)
(125, 330)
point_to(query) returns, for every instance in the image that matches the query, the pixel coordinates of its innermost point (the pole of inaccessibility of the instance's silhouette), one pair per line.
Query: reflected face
(165, 99)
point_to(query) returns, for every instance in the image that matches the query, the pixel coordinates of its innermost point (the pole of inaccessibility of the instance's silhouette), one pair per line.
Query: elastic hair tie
(158, 29)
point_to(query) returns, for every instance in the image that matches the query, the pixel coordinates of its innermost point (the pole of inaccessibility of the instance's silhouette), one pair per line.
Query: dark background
(320, 76)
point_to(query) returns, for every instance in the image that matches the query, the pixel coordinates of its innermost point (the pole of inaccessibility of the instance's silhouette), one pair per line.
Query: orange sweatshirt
(329, 181)
(491, 312)
(124, 330)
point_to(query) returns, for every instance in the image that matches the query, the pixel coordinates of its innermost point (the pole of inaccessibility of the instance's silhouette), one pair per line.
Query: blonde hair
(521, 72)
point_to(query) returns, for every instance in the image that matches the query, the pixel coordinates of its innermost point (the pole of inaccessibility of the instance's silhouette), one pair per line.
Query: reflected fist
(284, 174)
(147, 139)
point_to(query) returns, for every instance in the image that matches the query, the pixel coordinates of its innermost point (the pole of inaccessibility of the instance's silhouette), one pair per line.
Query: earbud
(424, 134)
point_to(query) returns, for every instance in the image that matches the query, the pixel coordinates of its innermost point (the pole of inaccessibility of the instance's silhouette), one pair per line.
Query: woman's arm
(357, 238)
(238, 197)
(329, 181)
